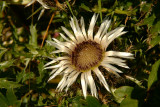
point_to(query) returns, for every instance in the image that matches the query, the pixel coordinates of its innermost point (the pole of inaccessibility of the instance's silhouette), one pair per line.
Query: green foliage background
(23, 82)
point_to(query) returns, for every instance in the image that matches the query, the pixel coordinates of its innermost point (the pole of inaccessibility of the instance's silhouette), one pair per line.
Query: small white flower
(85, 53)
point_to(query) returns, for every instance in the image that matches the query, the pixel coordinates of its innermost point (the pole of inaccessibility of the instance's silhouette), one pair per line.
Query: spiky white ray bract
(40, 1)
(102, 37)
(44, 6)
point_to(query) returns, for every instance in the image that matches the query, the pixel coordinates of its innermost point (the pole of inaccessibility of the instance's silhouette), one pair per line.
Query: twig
(46, 33)
(32, 12)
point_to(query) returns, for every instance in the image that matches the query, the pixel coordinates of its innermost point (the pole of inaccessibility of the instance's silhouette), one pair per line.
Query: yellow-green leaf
(128, 102)
(153, 77)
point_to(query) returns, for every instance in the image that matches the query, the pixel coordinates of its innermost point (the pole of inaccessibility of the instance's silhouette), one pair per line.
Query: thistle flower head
(85, 53)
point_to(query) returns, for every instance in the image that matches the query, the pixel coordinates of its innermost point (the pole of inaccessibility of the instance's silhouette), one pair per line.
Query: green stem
(69, 7)
(99, 9)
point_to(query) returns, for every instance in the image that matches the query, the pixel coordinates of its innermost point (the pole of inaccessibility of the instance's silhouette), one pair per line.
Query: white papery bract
(44, 6)
(85, 53)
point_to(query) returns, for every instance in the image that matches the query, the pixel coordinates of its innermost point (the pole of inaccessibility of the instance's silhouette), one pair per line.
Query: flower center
(86, 55)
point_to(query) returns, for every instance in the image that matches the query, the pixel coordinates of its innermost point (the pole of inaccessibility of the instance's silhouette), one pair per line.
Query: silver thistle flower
(85, 52)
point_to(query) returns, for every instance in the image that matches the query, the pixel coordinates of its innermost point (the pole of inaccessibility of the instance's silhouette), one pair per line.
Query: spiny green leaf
(3, 101)
(149, 21)
(105, 105)
(78, 102)
(34, 36)
(40, 101)
(41, 72)
(128, 102)
(27, 62)
(156, 28)
(92, 101)
(122, 92)
(8, 84)
(155, 41)
(11, 97)
(32, 49)
(153, 77)
(6, 64)
(83, 6)
(2, 52)
(23, 76)
(146, 7)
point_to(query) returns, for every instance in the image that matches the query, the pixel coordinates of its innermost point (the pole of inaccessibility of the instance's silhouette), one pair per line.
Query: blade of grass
(99, 9)
(69, 7)
(34, 12)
